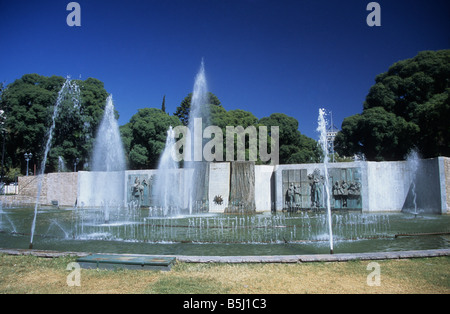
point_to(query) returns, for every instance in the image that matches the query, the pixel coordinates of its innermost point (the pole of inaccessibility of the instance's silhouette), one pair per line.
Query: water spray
(322, 129)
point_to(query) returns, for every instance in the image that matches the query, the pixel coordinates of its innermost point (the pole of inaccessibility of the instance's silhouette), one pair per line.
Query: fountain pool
(141, 232)
(232, 209)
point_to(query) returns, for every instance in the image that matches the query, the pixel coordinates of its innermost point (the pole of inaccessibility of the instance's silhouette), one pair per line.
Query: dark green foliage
(182, 111)
(294, 146)
(76, 128)
(145, 136)
(29, 102)
(379, 134)
(407, 107)
(163, 106)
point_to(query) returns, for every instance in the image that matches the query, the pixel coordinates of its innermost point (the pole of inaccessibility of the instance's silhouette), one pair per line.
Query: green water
(136, 231)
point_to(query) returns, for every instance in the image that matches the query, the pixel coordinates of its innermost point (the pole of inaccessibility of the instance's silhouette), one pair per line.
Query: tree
(378, 134)
(294, 146)
(3, 132)
(30, 101)
(163, 106)
(182, 111)
(76, 125)
(234, 118)
(433, 119)
(414, 94)
(145, 136)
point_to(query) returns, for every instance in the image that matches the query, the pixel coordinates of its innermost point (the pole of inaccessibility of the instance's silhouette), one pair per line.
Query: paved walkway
(342, 257)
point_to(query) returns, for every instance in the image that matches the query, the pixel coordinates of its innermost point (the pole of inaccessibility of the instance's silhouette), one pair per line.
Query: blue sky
(263, 56)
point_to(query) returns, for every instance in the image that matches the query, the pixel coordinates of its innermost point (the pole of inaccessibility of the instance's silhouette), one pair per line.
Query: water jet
(68, 90)
(234, 208)
(322, 129)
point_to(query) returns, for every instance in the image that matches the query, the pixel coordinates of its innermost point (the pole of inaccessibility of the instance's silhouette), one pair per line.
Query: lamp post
(27, 158)
(75, 164)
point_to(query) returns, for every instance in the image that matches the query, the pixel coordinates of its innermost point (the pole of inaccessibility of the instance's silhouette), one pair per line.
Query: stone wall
(388, 185)
(57, 188)
(242, 188)
(385, 186)
(219, 186)
(428, 188)
(445, 180)
(62, 188)
(94, 187)
(28, 186)
(264, 188)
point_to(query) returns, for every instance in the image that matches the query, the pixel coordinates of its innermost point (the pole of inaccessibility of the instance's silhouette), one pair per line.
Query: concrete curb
(343, 257)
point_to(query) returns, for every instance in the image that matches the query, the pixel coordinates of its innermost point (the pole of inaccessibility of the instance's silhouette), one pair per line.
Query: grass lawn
(29, 274)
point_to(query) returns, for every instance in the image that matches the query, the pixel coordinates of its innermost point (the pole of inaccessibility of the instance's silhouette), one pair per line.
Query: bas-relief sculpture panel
(303, 190)
(139, 187)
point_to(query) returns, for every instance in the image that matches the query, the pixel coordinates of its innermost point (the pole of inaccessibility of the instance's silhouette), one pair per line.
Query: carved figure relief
(316, 183)
(342, 190)
(137, 190)
(302, 190)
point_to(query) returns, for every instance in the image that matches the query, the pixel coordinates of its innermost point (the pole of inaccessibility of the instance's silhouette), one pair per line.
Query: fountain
(61, 165)
(209, 234)
(167, 211)
(105, 185)
(68, 90)
(322, 129)
(199, 112)
(108, 148)
(167, 190)
(413, 162)
(424, 191)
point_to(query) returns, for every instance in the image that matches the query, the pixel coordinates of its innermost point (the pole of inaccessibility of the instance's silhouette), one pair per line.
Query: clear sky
(263, 56)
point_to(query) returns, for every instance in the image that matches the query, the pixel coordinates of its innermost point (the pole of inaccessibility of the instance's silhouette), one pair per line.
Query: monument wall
(444, 173)
(264, 188)
(95, 186)
(394, 186)
(388, 184)
(365, 186)
(301, 186)
(242, 188)
(57, 188)
(427, 191)
(219, 186)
